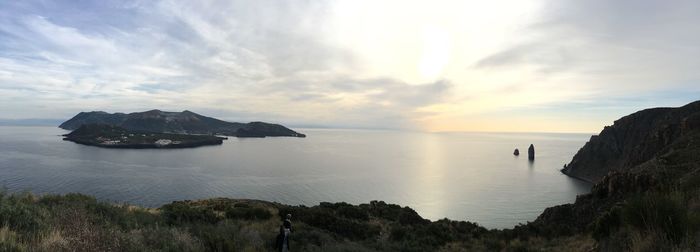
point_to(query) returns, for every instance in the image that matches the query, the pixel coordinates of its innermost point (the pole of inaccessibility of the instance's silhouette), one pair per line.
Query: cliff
(646, 194)
(185, 122)
(633, 140)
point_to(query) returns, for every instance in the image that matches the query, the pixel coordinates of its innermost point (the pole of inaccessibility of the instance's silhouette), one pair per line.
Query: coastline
(148, 145)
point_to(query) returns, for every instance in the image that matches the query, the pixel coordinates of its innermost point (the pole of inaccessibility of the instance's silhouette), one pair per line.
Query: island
(185, 122)
(109, 136)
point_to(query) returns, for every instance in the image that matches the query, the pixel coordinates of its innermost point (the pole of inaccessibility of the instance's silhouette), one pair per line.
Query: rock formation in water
(516, 152)
(185, 122)
(531, 152)
(633, 140)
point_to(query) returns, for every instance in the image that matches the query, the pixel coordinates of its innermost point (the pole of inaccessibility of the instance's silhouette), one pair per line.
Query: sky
(526, 65)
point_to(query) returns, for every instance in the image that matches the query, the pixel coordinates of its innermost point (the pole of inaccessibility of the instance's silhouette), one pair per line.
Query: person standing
(283, 236)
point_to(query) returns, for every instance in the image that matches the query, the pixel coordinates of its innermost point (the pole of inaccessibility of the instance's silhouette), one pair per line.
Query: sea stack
(531, 152)
(516, 152)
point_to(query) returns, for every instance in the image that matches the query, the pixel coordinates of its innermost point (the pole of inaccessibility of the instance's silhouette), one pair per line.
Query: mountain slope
(633, 140)
(185, 122)
(646, 194)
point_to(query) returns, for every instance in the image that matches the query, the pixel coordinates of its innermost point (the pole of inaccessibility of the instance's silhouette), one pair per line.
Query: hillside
(633, 140)
(109, 136)
(75, 222)
(646, 193)
(185, 122)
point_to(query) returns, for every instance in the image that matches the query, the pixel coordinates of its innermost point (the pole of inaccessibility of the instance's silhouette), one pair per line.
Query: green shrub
(691, 184)
(248, 213)
(179, 212)
(327, 218)
(68, 199)
(380, 209)
(664, 213)
(408, 216)
(607, 223)
(21, 214)
(353, 212)
(217, 237)
(160, 239)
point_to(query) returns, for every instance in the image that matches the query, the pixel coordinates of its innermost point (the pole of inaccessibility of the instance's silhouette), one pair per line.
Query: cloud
(614, 46)
(343, 63)
(241, 60)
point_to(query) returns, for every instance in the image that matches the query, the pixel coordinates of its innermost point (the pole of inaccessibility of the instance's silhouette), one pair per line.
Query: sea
(460, 176)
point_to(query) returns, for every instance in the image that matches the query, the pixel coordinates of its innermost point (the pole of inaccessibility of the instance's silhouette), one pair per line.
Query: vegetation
(116, 137)
(73, 222)
(652, 221)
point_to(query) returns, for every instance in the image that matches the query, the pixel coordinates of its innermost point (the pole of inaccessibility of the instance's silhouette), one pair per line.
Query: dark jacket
(287, 224)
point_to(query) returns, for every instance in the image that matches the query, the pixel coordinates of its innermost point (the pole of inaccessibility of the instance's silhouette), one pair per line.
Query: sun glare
(436, 53)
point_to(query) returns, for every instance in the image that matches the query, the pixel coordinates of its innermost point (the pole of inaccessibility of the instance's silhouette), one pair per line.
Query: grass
(652, 221)
(75, 222)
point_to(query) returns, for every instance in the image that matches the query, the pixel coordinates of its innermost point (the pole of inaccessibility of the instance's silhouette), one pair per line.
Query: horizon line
(53, 122)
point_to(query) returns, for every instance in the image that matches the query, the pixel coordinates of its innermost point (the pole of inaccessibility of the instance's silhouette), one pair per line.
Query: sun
(435, 53)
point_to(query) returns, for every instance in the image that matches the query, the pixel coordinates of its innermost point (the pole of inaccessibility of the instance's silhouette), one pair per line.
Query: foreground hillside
(648, 222)
(77, 222)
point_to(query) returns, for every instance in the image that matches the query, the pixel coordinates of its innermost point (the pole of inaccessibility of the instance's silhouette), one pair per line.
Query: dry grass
(9, 238)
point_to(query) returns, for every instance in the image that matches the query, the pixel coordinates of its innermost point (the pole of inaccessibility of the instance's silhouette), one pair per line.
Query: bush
(248, 213)
(219, 237)
(160, 239)
(327, 218)
(664, 213)
(607, 223)
(691, 184)
(179, 212)
(21, 214)
(68, 199)
(353, 212)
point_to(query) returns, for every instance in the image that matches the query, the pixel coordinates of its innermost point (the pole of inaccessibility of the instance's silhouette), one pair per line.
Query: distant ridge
(185, 122)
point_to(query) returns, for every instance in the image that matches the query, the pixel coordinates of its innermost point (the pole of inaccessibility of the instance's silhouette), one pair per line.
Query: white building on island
(162, 142)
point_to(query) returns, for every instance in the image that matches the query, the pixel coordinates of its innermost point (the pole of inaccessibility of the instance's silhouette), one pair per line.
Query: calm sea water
(462, 176)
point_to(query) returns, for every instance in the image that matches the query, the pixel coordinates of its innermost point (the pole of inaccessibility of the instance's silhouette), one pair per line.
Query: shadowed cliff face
(646, 165)
(633, 140)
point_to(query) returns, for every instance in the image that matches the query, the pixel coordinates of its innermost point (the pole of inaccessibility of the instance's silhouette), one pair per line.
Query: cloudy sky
(558, 66)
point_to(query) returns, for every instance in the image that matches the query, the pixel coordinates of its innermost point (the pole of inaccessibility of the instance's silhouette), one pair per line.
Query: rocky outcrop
(531, 152)
(654, 150)
(633, 140)
(516, 152)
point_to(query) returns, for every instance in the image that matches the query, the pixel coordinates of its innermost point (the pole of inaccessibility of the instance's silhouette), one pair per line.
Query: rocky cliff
(633, 140)
(646, 174)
